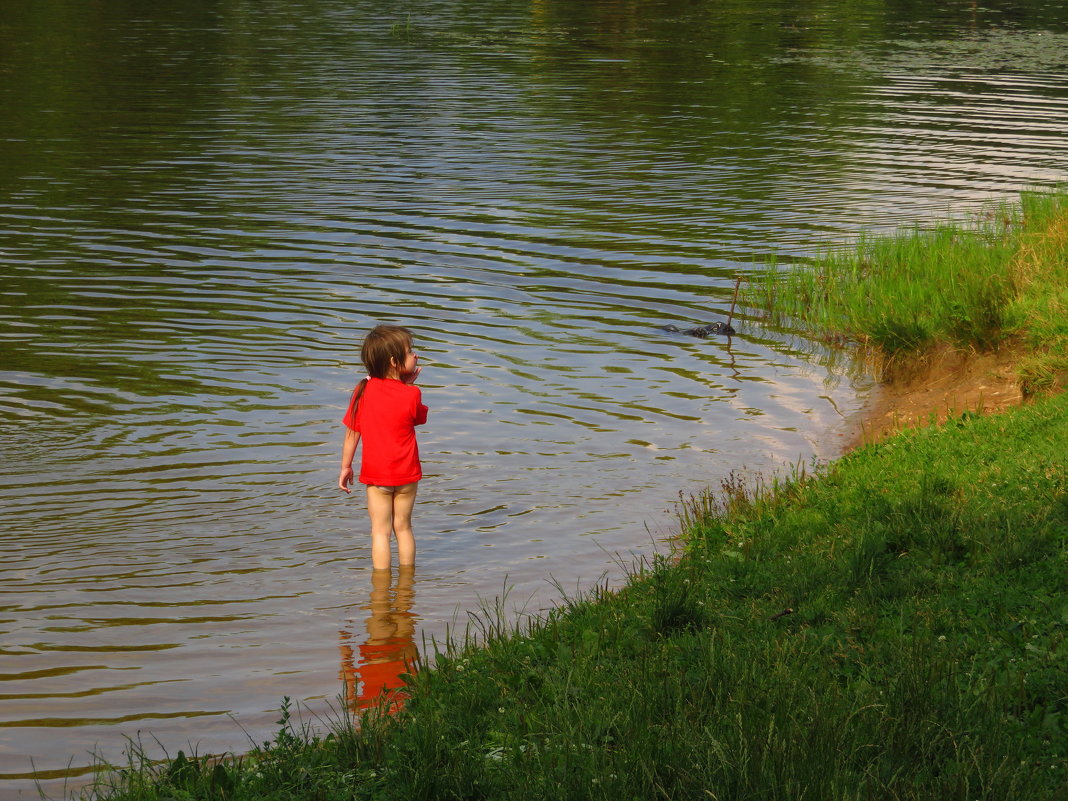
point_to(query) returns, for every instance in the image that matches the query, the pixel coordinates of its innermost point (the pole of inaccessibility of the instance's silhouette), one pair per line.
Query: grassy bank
(893, 627)
(999, 281)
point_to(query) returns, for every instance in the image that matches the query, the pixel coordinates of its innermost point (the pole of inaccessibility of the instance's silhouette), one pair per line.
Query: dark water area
(205, 205)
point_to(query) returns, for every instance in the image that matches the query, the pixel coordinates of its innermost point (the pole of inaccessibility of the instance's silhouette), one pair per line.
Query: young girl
(384, 411)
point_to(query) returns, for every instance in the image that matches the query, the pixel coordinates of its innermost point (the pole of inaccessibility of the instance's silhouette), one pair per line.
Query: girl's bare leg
(403, 501)
(380, 509)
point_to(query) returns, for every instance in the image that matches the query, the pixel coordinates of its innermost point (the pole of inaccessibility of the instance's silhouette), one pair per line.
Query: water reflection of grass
(891, 628)
(999, 281)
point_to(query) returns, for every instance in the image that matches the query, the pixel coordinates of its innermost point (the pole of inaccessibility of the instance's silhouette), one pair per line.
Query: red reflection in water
(389, 650)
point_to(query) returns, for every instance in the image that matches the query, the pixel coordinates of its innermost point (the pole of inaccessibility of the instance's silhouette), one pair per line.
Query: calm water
(204, 205)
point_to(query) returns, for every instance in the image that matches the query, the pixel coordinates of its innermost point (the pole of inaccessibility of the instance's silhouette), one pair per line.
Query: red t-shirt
(386, 417)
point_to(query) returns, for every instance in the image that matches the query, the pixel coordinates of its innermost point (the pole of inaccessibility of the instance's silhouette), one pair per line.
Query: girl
(384, 410)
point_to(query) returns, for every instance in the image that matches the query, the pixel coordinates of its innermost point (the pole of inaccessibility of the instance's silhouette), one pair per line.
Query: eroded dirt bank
(944, 384)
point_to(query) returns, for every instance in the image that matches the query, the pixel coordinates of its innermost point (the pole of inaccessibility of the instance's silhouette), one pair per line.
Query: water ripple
(191, 257)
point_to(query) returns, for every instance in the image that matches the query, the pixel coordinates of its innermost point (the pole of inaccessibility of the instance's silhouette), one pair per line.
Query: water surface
(204, 206)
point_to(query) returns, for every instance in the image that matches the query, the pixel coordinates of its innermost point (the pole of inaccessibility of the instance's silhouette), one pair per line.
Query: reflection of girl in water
(389, 649)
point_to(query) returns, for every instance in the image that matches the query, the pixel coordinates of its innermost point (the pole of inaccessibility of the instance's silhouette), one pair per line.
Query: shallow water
(205, 206)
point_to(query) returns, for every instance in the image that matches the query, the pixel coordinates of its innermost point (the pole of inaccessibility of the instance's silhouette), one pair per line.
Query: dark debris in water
(703, 331)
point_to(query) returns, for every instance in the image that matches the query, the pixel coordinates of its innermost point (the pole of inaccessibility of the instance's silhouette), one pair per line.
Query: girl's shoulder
(394, 386)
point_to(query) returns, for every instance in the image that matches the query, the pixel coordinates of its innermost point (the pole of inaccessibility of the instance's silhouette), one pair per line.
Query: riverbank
(945, 384)
(962, 317)
(892, 627)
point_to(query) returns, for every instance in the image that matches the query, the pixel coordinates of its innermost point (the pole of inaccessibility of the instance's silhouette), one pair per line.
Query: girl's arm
(352, 437)
(348, 451)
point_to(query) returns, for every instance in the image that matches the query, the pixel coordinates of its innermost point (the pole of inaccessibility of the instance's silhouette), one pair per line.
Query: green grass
(923, 657)
(893, 627)
(1000, 280)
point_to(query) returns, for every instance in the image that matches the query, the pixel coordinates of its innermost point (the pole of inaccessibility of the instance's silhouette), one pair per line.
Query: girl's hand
(345, 478)
(409, 378)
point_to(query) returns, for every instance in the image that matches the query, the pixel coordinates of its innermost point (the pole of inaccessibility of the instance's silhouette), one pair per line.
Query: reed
(999, 280)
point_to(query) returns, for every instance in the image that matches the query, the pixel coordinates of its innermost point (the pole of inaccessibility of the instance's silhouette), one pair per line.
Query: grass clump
(1000, 280)
(297, 764)
(894, 627)
(1039, 313)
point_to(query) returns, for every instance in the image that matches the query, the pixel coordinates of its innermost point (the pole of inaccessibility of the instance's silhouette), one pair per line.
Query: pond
(205, 205)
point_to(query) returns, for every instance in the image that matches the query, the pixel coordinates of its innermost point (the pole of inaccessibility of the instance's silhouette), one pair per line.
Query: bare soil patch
(944, 384)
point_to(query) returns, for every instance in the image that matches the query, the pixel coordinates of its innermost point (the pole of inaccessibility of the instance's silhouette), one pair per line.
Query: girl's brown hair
(383, 343)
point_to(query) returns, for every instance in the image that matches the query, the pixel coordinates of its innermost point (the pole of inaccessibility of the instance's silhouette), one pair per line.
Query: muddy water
(204, 206)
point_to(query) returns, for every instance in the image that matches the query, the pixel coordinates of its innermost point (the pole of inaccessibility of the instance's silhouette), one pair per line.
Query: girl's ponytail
(350, 416)
(358, 394)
